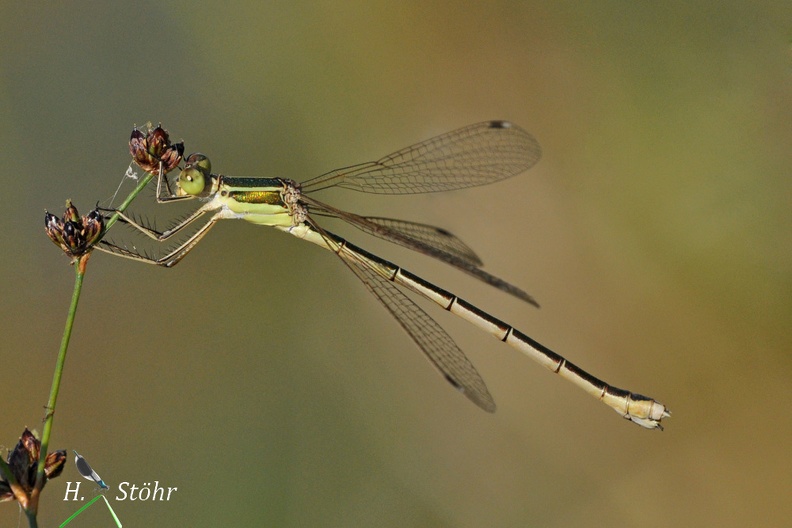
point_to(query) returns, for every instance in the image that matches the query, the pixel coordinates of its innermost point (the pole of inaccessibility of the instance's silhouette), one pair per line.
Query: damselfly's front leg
(161, 236)
(170, 196)
(193, 181)
(169, 260)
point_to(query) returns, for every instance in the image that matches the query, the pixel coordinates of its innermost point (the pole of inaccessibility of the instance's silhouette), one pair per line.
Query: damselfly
(475, 155)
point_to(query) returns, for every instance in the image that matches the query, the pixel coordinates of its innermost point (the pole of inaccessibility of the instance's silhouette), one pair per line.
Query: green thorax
(257, 200)
(253, 190)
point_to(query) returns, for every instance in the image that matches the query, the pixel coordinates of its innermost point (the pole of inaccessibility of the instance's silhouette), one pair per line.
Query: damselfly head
(200, 162)
(196, 175)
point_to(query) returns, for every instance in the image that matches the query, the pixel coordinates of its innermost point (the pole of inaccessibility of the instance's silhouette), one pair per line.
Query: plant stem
(31, 517)
(32, 506)
(56, 380)
(121, 208)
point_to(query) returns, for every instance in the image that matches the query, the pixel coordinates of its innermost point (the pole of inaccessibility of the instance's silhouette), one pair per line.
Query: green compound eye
(200, 162)
(191, 181)
(195, 176)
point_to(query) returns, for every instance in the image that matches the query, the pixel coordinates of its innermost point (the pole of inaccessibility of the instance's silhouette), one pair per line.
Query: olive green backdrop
(265, 383)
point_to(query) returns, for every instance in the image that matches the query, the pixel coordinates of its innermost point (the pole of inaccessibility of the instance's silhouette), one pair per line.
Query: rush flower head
(153, 150)
(23, 461)
(74, 234)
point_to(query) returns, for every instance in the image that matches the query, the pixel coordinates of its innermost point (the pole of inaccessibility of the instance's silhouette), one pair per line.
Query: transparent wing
(429, 240)
(402, 232)
(475, 155)
(430, 337)
(429, 235)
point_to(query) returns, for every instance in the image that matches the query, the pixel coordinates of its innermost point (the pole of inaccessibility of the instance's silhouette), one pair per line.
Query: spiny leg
(161, 236)
(169, 260)
(170, 196)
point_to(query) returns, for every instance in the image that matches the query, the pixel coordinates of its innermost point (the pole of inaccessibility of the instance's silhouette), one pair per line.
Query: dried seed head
(23, 461)
(93, 224)
(153, 150)
(74, 234)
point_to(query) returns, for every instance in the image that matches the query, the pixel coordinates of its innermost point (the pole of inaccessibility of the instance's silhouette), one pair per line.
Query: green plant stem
(31, 517)
(121, 208)
(79, 269)
(32, 506)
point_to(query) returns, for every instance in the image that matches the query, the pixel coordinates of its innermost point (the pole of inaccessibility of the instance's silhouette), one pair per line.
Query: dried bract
(74, 234)
(23, 461)
(153, 151)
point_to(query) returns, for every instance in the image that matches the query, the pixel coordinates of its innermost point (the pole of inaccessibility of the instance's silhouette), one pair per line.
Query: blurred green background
(266, 384)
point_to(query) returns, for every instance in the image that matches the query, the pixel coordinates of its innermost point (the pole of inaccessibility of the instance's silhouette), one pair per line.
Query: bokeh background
(266, 384)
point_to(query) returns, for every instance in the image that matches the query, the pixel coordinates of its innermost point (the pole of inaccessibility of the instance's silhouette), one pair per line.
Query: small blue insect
(85, 470)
